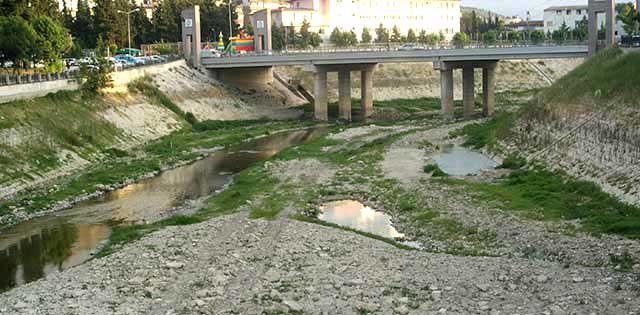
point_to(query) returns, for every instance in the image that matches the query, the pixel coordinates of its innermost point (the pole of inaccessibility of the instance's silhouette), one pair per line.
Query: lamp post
(128, 13)
(230, 27)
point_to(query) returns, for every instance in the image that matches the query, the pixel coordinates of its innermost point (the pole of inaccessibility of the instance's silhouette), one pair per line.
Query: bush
(190, 118)
(514, 162)
(460, 40)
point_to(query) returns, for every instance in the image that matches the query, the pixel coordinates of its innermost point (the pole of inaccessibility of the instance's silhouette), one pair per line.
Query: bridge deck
(372, 57)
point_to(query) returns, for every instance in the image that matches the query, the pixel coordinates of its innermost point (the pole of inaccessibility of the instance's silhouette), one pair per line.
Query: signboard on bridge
(188, 23)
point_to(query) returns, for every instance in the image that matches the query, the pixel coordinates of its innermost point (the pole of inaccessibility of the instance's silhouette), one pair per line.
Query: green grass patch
(209, 125)
(514, 162)
(610, 73)
(488, 133)
(545, 195)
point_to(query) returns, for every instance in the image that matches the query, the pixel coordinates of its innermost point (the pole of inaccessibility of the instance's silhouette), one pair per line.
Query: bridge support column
(468, 91)
(608, 8)
(488, 89)
(320, 104)
(446, 91)
(366, 90)
(344, 94)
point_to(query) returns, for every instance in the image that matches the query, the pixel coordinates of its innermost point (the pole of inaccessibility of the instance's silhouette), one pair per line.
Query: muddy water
(52, 243)
(460, 161)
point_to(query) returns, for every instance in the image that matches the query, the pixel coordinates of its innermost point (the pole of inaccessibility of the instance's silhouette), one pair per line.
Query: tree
(537, 37)
(305, 36)
(164, 22)
(627, 14)
(366, 36)
(141, 28)
(560, 35)
(277, 37)
(489, 38)
(422, 37)
(411, 36)
(82, 28)
(382, 34)
(515, 36)
(395, 34)
(52, 41)
(581, 30)
(17, 41)
(95, 79)
(108, 23)
(315, 40)
(290, 34)
(460, 40)
(351, 38)
(474, 24)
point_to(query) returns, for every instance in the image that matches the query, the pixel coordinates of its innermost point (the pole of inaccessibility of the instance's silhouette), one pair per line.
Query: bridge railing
(395, 47)
(13, 79)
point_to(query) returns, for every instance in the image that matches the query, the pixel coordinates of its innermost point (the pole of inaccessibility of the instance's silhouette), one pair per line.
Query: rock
(403, 300)
(20, 305)
(199, 303)
(483, 287)
(557, 310)
(272, 275)
(541, 279)
(355, 282)
(174, 265)
(402, 310)
(436, 295)
(203, 293)
(293, 305)
(578, 279)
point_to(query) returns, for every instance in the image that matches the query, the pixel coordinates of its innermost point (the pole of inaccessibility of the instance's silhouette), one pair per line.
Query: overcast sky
(520, 7)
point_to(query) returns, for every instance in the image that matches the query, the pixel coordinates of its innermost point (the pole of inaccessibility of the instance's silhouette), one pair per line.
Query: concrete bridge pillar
(608, 8)
(468, 90)
(488, 89)
(366, 90)
(320, 104)
(344, 94)
(446, 91)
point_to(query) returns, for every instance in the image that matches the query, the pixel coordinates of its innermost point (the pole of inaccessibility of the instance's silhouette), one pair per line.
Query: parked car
(410, 47)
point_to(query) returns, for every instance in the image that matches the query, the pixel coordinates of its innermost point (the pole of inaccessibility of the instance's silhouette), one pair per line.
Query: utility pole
(128, 13)
(230, 27)
(528, 28)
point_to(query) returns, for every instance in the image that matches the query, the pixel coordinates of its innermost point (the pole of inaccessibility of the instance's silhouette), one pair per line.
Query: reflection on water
(33, 249)
(355, 215)
(459, 161)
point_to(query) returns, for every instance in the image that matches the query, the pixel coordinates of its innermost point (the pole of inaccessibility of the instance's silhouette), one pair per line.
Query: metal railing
(11, 79)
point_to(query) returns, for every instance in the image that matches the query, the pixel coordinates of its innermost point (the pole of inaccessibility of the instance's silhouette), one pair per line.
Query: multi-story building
(555, 16)
(433, 16)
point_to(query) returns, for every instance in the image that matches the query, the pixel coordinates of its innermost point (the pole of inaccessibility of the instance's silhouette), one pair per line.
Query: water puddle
(355, 215)
(36, 248)
(460, 161)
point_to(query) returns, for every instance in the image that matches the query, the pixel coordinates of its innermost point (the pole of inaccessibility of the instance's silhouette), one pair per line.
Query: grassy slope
(541, 194)
(63, 120)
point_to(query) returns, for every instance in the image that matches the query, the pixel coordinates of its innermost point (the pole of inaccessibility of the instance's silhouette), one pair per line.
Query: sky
(520, 7)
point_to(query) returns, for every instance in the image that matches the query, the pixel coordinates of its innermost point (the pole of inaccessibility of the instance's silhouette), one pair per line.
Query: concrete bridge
(258, 68)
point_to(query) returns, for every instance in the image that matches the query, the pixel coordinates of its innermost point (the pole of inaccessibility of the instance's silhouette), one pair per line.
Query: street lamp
(128, 13)
(230, 27)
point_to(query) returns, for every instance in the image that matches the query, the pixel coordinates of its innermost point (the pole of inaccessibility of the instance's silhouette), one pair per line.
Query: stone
(578, 279)
(293, 305)
(436, 295)
(20, 305)
(483, 287)
(402, 310)
(272, 275)
(541, 279)
(174, 265)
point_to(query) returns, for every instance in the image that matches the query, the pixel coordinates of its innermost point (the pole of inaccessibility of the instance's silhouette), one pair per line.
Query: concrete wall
(244, 77)
(29, 90)
(122, 78)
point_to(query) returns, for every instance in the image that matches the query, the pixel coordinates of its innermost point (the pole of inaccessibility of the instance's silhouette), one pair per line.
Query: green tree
(109, 23)
(351, 38)
(382, 34)
(52, 41)
(422, 37)
(337, 38)
(489, 38)
(515, 36)
(277, 37)
(627, 14)
(560, 35)
(82, 28)
(581, 31)
(366, 36)
(95, 79)
(141, 28)
(395, 34)
(537, 37)
(411, 36)
(165, 25)
(291, 35)
(460, 40)
(17, 41)
(305, 36)
(315, 40)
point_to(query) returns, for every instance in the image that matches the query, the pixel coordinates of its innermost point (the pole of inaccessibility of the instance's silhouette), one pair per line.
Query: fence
(9, 79)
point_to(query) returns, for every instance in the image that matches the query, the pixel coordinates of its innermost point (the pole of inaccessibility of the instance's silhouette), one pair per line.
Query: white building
(433, 16)
(556, 15)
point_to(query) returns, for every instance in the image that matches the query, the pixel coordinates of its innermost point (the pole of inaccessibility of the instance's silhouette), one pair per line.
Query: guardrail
(395, 47)
(14, 79)
(9, 79)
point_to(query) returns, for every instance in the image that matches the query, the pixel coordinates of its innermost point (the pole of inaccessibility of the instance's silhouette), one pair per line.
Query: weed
(622, 262)
(513, 161)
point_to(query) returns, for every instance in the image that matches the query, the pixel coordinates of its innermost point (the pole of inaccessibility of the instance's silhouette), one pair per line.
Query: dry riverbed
(477, 258)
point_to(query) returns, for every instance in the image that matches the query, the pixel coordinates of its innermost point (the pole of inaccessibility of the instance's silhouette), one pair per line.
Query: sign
(260, 24)
(188, 23)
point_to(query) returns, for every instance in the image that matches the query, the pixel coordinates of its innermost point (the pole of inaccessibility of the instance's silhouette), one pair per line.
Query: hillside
(588, 123)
